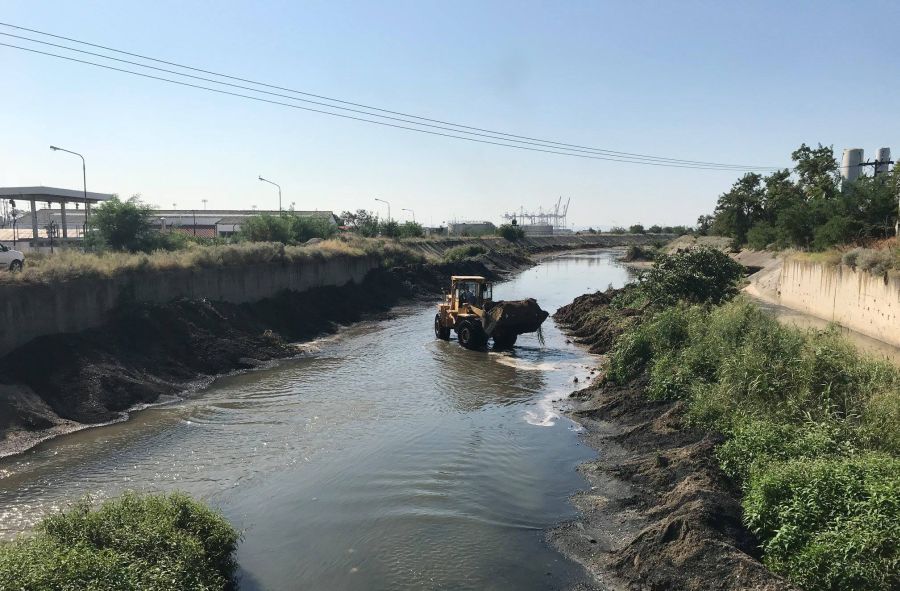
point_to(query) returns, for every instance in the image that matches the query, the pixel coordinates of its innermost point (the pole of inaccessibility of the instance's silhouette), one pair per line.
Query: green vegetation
(135, 542)
(511, 233)
(69, 264)
(466, 251)
(125, 226)
(636, 229)
(806, 207)
(286, 228)
(809, 424)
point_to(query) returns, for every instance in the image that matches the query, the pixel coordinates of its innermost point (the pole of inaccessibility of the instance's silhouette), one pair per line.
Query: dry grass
(70, 264)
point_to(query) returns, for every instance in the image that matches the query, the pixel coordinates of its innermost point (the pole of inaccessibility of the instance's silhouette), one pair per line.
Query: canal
(379, 458)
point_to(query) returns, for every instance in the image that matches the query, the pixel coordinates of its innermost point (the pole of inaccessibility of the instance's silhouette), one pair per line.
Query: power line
(711, 166)
(556, 145)
(564, 152)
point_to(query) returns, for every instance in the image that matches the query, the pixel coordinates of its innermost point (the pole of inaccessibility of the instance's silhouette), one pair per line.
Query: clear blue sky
(723, 81)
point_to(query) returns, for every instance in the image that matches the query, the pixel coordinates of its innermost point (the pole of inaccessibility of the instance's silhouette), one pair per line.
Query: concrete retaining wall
(29, 311)
(862, 302)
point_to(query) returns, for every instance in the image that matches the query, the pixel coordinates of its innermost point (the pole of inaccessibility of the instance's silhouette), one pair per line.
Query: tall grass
(811, 433)
(135, 542)
(70, 264)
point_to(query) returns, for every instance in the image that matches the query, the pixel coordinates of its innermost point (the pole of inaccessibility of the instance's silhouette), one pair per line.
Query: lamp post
(386, 203)
(279, 190)
(412, 212)
(87, 209)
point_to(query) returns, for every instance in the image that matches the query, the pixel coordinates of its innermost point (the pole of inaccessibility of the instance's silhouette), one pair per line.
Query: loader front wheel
(441, 332)
(470, 336)
(504, 341)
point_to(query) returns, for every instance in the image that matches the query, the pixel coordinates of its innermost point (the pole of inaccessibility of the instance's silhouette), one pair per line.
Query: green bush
(511, 233)
(700, 275)
(465, 251)
(286, 228)
(139, 542)
(411, 230)
(829, 523)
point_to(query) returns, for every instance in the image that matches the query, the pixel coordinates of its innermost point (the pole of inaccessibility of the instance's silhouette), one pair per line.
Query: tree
(817, 171)
(389, 229)
(655, 229)
(361, 221)
(511, 233)
(411, 230)
(122, 225)
(737, 209)
(636, 229)
(267, 228)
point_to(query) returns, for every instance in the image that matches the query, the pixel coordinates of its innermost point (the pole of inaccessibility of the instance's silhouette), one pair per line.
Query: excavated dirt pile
(659, 513)
(515, 317)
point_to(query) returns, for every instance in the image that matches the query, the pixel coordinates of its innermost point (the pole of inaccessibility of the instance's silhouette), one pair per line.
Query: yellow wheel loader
(469, 309)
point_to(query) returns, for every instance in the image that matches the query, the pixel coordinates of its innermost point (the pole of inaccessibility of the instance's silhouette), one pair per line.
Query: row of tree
(807, 207)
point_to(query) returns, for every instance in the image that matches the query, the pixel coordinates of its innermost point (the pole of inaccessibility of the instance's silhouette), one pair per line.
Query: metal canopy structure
(51, 195)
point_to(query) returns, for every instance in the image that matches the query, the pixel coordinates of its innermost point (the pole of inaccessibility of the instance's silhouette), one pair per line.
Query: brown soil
(659, 513)
(60, 383)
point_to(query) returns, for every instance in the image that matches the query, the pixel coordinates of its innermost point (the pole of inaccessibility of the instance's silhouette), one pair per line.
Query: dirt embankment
(659, 513)
(57, 383)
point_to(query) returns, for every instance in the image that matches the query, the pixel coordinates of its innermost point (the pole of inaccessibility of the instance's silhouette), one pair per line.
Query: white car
(11, 259)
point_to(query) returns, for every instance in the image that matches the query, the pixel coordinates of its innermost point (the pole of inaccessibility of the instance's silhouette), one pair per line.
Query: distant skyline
(739, 83)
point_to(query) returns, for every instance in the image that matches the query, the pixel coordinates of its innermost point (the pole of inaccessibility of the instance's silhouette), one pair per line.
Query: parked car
(11, 259)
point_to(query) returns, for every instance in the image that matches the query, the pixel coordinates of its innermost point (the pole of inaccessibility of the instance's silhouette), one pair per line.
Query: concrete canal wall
(858, 300)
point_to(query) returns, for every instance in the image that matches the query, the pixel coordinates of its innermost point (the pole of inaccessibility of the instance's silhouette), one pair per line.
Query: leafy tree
(411, 230)
(618, 230)
(655, 229)
(121, 225)
(704, 224)
(636, 229)
(389, 229)
(362, 221)
(511, 233)
(736, 209)
(268, 228)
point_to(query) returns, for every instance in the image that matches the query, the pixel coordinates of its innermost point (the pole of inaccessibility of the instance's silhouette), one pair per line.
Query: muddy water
(380, 458)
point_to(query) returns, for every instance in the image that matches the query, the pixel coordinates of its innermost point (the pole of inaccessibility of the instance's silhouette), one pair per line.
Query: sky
(731, 82)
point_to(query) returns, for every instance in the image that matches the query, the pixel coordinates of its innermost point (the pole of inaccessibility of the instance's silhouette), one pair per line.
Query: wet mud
(659, 513)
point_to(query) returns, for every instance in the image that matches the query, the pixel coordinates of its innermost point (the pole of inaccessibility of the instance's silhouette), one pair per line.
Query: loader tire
(441, 332)
(504, 341)
(470, 335)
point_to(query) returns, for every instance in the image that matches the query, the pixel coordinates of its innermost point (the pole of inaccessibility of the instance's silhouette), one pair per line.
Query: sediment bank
(143, 352)
(659, 512)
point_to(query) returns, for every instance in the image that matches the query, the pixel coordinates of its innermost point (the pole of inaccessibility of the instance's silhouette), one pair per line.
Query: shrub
(465, 251)
(877, 262)
(618, 230)
(166, 542)
(700, 275)
(511, 233)
(411, 230)
(636, 229)
(389, 229)
(121, 225)
(829, 523)
(286, 228)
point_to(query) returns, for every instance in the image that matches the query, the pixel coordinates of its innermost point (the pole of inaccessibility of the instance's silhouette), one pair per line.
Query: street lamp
(279, 190)
(204, 203)
(412, 212)
(389, 207)
(87, 211)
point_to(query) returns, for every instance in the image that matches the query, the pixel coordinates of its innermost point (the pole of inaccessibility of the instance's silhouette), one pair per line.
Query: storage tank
(850, 164)
(884, 157)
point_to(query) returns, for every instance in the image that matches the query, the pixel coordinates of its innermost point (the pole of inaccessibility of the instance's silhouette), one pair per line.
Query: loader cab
(472, 290)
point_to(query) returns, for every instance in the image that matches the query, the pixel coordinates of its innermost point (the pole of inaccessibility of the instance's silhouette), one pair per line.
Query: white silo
(884, 157)
(850, 164)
